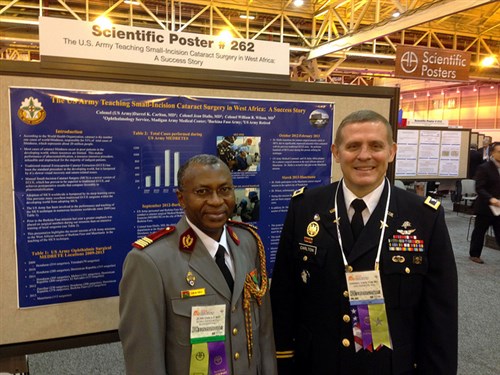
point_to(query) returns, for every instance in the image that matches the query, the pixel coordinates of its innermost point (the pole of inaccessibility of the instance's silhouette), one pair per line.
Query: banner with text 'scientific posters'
(94, 171)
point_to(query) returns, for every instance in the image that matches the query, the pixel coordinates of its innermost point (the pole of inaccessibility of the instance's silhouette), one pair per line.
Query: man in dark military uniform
(193, 298)
(325, 320)
(226, 153)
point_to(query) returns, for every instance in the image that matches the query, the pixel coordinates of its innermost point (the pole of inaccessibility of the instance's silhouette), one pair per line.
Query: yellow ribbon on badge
(379, 325)
(199, 359)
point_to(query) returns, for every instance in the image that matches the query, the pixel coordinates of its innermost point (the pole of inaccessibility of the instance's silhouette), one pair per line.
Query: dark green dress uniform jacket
(155, 321)
(312, 326)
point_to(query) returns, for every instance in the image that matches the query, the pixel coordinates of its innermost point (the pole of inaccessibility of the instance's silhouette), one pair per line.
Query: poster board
(66, 320)
(432, 153)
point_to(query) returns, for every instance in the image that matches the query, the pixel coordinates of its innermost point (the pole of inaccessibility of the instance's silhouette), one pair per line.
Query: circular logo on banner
(409, 62)
(31, 111)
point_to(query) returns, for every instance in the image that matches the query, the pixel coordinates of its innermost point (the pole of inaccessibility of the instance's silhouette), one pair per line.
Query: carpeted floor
(479, 319)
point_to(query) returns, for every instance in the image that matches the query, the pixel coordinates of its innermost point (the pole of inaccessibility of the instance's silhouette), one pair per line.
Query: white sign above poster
(87, 40)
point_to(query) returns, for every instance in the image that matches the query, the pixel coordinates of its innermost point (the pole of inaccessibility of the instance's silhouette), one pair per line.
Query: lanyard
(384, 225)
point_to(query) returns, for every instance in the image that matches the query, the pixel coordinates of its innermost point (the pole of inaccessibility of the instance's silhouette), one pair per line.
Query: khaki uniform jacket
(312, 322)
(155, 320)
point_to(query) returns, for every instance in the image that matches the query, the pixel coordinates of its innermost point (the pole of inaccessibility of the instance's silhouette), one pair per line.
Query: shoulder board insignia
(298, 192)
(240, 224)
(143, 242)
(432, 202)
(187, 240)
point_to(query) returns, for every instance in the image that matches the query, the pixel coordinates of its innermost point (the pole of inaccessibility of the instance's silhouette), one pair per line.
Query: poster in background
(94, 171)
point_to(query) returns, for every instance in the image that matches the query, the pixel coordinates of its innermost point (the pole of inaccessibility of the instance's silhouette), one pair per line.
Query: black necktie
(357, 224)
(219, 259)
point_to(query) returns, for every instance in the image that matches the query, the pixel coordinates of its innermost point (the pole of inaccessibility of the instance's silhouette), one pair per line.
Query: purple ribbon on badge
(366, 331)
(217, 355)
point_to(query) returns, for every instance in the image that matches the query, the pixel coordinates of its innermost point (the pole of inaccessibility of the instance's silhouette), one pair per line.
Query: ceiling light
(492, 87)
(244, 16)
(474, 89)
(396, 14)
(488, 60)
(458, 90)
(132, 2)
(415, 96)
(225, 36)
(442, 92)
(298, 3)
(428, 94)
(104, 22)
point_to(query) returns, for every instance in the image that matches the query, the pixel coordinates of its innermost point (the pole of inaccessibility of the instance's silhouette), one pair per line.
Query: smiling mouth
(216, 214)
(362, 169)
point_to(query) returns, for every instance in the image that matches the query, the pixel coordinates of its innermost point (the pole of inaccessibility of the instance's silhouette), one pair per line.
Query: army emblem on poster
(31, 111)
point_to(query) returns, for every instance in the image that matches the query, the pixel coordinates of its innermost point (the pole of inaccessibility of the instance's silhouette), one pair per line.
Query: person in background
(487, 204)
(475, 158)
(193, 298)
(365, 280)
(241, 161)
(485, 150)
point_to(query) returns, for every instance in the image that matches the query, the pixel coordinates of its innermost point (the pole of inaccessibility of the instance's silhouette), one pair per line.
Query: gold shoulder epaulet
(298, 192)
(432, 202)
(144, 242)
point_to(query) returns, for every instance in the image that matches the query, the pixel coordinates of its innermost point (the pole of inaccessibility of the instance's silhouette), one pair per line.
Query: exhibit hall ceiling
(333, 41)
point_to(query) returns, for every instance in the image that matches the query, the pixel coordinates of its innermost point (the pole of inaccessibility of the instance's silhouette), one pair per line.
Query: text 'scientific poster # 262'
(95, 171)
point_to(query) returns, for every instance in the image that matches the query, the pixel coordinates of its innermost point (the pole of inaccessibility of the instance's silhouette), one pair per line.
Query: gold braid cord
(251, 289)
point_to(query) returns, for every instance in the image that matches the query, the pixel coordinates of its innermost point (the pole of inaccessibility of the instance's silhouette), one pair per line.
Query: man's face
(496, 153)
(486, 141)
(207, 197)
(364, 155)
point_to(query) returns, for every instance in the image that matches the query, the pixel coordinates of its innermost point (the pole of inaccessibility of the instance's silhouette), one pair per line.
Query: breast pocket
(403, 275)
(181, 320)
(310, 255)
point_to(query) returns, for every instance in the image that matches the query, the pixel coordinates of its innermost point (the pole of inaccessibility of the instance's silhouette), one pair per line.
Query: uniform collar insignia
(233, 235)
(187, 240)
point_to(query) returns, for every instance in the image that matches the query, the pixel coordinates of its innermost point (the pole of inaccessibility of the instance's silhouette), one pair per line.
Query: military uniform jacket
(487, 187)
(155, 320)
(313, 330)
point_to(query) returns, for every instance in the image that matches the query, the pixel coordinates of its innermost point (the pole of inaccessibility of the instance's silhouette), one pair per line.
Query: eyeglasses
(223, 192)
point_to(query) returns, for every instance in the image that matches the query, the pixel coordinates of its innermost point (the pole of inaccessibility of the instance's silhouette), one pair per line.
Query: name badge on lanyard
(208, 351)
(367, 307)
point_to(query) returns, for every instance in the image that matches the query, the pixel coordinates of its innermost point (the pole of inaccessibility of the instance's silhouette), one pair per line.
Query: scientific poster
(94, 171)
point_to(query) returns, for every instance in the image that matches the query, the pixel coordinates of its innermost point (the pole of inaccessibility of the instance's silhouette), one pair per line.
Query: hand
(495, 202)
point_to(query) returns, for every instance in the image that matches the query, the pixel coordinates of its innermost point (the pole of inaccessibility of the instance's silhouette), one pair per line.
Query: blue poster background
(94, 171)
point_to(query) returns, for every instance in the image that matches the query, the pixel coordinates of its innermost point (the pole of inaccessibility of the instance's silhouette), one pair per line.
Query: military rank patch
(143, 242)
(432, 202)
